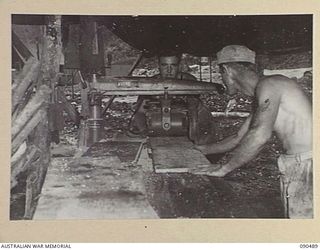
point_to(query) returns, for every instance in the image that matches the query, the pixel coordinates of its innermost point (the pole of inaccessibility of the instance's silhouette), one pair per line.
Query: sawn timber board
(175, 154)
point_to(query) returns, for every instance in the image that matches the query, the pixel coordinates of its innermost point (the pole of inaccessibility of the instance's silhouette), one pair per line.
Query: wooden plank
(125, 150)
(93, 188)
(175, 154)
(27, 129)
(24, 81)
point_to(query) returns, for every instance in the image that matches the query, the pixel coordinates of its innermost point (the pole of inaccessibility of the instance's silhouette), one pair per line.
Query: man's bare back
(293, 124)
(284, 108)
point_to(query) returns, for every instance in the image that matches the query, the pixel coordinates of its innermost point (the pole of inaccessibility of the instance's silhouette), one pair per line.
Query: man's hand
(202, 148)
(216, 170)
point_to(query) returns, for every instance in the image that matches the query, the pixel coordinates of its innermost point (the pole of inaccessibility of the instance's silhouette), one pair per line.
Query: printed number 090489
(308, 245)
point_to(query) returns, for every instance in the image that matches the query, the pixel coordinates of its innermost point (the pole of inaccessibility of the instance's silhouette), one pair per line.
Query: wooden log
(26, 98)
(27, 129)
(230, 114)
(32, 106)
(26, 68)
(70, 109)
(25, 82)
(24, 163)
(19, 153)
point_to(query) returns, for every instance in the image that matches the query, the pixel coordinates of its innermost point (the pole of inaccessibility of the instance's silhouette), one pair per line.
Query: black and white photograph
(161, 117)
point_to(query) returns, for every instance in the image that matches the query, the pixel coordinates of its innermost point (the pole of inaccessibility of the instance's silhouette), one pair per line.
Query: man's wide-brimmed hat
(236, 53)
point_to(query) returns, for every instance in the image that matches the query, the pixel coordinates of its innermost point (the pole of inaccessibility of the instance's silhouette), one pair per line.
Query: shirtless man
(283, 107)
(169, 68)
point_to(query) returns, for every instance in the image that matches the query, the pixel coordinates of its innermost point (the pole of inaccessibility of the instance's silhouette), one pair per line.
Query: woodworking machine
(171, 106)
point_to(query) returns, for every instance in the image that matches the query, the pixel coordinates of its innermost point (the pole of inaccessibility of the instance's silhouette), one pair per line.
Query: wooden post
(91, 49)
(50, 60)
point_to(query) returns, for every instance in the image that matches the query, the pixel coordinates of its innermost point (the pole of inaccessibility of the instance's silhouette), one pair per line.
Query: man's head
(236, 63)
(169, 65)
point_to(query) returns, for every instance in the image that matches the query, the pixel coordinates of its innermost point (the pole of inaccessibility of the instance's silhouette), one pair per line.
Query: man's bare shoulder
(274, 82)
(273, 85)
(274, 79)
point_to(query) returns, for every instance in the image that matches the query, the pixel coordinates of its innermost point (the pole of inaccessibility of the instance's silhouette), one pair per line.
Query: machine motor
(167, 116)
(178, 116)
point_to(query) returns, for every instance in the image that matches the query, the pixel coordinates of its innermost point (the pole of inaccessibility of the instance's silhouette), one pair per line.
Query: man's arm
(261, 127)
(227, 143)
(259, 132)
